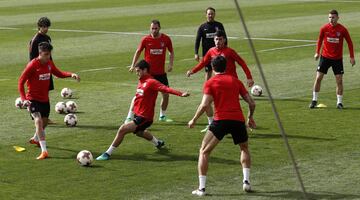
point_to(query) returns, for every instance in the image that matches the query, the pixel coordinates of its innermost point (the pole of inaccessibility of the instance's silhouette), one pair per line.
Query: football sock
(154, 140)
(162, 112)
(210, 120)
(110, 150)
(43, 145)
(339, 98)
(202, 182)
(246, 174)
(35, 137)
(315, 96)
(130, 115)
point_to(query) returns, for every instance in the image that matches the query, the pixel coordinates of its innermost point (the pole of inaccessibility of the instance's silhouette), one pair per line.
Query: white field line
(171, 35)
(288, 47)
(4, 79)
(98, 69)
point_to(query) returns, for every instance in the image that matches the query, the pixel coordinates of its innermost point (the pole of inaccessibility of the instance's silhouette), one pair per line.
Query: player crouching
(144, 104)
(37, 75)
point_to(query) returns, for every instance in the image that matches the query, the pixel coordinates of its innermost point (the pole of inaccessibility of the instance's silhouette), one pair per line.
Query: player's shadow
(272, 135)
(290, 194)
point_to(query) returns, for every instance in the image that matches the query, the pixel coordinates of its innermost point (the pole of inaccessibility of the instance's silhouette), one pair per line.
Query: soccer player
(205, 35)
(155, 45)
(36, 75)
(41, 36)
(144, 106)
(331, 37)
(224, 90)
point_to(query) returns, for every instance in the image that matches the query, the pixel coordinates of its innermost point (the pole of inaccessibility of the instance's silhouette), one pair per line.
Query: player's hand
(191, 123)
(170, 68)
(251, 122)
(76, 77)
(316, 56)
(131, 69)
(352, 61)
(26, 103)
(185, 94)
(189, 73)
(250, 82)
(197, 58)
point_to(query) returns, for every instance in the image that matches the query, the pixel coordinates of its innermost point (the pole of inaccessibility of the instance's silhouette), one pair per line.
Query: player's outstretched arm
(250, 122)
(205, 103)
(135, 59)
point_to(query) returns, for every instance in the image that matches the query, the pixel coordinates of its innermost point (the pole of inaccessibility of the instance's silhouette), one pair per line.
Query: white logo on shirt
(140, 92)
(43, 77)
(156, 51)
(333, 40)
(210, 35)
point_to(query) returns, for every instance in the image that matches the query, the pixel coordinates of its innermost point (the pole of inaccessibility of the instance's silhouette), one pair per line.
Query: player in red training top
(224, 90)
(37, 75)
(155, 45)
(144, 106)
(332, 37)
(231, 57)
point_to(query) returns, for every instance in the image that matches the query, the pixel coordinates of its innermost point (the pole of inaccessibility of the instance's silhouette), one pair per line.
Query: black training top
(206, 32)
(34, 43)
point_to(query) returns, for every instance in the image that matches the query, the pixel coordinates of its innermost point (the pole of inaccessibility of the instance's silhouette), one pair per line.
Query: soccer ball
(60, 107)
(70, 120)
(256, 90)
(66, 93)
(19, 103)
(84, 158)
(71, 106)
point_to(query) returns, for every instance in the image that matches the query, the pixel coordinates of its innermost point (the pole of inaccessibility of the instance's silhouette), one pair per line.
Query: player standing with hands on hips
(331, 37)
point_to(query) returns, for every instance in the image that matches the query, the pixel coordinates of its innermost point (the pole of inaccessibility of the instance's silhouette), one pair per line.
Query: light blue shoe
(104, 156)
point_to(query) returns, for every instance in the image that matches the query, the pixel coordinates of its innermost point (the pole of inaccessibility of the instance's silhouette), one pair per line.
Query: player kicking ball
(144, 105)
(37, 75)
(224, 90)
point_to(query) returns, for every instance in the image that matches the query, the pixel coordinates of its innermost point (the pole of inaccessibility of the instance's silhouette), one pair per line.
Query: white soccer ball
(256, 90)
(71, 106)
(66, 93)
(19, 103)
(84, 158)
(60, 107)
(70, 120)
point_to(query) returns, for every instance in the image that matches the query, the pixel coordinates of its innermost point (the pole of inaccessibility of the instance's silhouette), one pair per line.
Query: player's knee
(139, 133)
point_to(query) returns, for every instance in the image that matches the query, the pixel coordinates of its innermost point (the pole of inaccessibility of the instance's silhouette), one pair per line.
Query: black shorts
(142, 123)
(237, 129)
(162, 79)
(42, 108)
(326, 63)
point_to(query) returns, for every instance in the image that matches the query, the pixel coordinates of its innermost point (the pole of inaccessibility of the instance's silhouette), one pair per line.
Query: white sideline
(98, 69)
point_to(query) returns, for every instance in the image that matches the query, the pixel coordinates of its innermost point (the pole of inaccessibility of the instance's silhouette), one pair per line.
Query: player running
(332, 37)
(155, 45)
(144, 106)
(205, 35)
(37, 75)
(224, 90)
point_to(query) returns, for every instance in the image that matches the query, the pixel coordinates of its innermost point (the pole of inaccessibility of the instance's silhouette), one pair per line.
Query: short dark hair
(220, 33)
(142, 64)
(209, 8)
(45, 46)
(334, 12)
(155, 21)
(44, 22)
(219, 64)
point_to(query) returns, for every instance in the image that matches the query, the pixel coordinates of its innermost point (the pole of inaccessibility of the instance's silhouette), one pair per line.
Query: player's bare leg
(209, 111)
(339, 90)
(208, 144)
(245, 161)
(316, 89)
(149, 137)
(164, 104)
(35, 138)
(39, 126)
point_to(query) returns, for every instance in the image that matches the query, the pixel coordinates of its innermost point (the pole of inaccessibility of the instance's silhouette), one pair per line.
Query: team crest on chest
(162, 44)
(338, 34)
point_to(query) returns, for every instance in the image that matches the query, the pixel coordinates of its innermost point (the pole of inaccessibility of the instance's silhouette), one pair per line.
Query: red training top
(333, 38)
(230, 55)
(155, 52)
(37, 78)
(146, 95)
(225, 90)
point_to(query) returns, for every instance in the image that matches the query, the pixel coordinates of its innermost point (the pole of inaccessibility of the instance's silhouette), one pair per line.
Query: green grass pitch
(325, 141)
